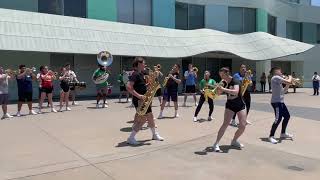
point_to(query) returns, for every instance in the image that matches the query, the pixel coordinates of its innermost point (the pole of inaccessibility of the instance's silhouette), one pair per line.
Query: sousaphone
(104, 59)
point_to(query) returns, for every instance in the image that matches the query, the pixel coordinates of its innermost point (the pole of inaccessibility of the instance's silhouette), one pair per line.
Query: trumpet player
(4, 93)
(65, 79)
(190, 77)
(277, 103)
(171, 90)
(234, 105)
(24, 81)
(246, 97)
(137, 87)
(206, 82)
(72, 78)
(46, 78)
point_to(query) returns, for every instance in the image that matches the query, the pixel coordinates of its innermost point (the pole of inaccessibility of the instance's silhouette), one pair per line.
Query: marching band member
(277, 102)
(47, 77)
(4, 93)
(234, 105)
(24, 81)
(123, 88)
(65, 79)
(159, 75)
(190, 77)
(102, 87)
(73, 78)
(137, 87)
(315, 83)
(206, 81)
(246, 97)
(171, 90)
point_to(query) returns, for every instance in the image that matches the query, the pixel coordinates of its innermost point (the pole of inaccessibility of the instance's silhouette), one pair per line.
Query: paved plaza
(89, 144)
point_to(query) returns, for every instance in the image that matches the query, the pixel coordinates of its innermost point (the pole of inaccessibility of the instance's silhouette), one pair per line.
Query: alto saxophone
(245, 82)
(151, 91)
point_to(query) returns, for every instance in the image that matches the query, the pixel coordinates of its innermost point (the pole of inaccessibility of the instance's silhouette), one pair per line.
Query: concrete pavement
(89, 144)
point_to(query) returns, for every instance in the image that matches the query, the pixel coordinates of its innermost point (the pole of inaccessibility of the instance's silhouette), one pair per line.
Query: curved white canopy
(29, 31)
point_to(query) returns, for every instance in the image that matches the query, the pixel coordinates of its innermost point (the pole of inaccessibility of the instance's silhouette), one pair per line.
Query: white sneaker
(157, 137)
(97, 106)
(75, 103)
(160, 116)
(233, 123)
(103, 105)
(176, 115)
(249, 123)
(216, 148)
(210, 118)
(39, 112)
(68, 109)
(129, 100)
(132, 141)
(237, 144)
(286, 136)
(32, 112)
(196, 104)
(195, 119)
(53, 110)
(18, 114)
(7, 115)
(273, 140)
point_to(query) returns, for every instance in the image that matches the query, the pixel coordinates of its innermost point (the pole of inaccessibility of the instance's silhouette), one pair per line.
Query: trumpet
(50, 72)
(157, 67)
(31, 70)
(11, 72)
(165, 81)
(195, 69)
(213, 93)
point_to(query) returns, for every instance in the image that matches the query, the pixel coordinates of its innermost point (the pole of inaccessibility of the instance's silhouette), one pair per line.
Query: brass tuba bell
(105, 58)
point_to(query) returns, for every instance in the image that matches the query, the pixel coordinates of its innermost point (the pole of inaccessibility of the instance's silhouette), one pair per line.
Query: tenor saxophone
(152, 89)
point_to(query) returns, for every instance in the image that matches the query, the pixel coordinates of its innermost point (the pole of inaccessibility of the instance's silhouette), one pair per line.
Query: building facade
(292, 19)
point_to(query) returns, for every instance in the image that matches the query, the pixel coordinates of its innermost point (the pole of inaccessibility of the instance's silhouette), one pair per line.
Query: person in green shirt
(100, 77)
(123, 88)
(206, 82)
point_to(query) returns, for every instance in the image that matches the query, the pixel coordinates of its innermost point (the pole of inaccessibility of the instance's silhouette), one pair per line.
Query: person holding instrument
(47, 77)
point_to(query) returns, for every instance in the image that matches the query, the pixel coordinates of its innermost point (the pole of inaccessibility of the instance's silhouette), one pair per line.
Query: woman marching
(47, 76)
(234, 105)
(65, 89)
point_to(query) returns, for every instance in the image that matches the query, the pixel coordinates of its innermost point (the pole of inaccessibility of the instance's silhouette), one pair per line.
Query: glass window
(235, 20)
(272, 23)
(76, 8)
(51, 6)
(142, 12)
(318, 33)
(294, 30)
(249, 20)
(196, 16)
(181, 16)
(125, 11)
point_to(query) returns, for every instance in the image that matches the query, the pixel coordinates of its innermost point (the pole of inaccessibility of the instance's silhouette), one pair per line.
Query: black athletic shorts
(123, 88)
(235, 105)
(25, 97)
(191, 89)
(135, 102)
(64, 86)
(46, 90)
(170, 95)
(158, 93)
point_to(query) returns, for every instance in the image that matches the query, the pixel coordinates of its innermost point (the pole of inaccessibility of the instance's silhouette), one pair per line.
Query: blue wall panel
(216, 17)
(163, 13)
(24, 5)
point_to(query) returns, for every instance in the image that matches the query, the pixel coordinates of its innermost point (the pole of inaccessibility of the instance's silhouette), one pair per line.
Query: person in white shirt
(315, 83)
(73, 78)
(4, 93)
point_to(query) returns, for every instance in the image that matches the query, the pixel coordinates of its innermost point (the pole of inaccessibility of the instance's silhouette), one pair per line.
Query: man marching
(100, 77)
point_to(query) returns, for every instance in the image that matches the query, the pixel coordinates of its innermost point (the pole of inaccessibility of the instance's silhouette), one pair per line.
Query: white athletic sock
(153, 130)
(133, 134)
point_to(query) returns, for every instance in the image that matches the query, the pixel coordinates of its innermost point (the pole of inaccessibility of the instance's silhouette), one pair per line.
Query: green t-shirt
(98, 73)
(120, 80)
(203, 83)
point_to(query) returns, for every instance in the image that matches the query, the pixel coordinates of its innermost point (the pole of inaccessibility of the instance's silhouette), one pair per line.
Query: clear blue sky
(315, 2)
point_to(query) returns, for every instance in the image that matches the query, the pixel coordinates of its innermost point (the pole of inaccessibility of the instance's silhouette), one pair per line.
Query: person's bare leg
(242, 124)
(227, 118)
(176, 109)
(43, 95)
(62, 98)
(162, 108)
(19, 106)
(66, 99)
(195, 99)
(4, 109)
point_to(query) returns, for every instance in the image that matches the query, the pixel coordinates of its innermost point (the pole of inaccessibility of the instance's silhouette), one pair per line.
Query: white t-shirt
(4, 88)
(72, 75)
(315, 78)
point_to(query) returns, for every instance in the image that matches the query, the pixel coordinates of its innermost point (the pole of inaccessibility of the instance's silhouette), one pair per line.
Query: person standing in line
(263, 80)
(47, 77)
(315, 83)
(269, 81)
(65, 88)
(4, 93)
(73, 78)
(293, 85)
(190, 77)
(123, 88)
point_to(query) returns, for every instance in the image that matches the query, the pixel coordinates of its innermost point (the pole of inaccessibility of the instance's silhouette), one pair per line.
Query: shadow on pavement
(224, 149)
(143, 143)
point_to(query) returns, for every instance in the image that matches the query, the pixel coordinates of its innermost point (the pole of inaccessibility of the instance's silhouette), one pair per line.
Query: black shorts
(65, 86)
(123, 88)
(135, 102)
(191, 89)
(72, 88)
(158, 93)
(25, 96)
(235, 105)
(46, 90)
(170, 95)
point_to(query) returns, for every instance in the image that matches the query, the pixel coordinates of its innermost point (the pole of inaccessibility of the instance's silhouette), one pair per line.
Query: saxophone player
(137, 87)
(246, 97)
(171, 90)
(206, 82)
